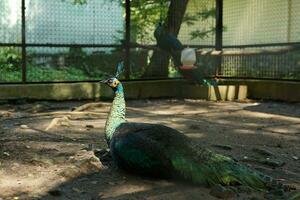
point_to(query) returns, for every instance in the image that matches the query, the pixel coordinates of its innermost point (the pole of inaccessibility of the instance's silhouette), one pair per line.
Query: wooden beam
(248, 52)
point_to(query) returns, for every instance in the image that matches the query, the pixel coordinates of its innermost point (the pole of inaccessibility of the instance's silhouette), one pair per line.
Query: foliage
(80, 2)
(145, 16)
(10, 58)
(173, 73)
(77, 2)
(38, 73)
(205, 15)
(51, 74)
(201, 15)
(76, 56)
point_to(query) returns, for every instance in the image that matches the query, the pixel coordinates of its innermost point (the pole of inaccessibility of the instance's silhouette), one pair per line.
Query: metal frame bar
(133, 45)
(154, 79)
(262, 45)
(259, 78)
(219, 25)
(23, 43)
(60, 45)
(289, 22)
(219, 34)
(127, 39)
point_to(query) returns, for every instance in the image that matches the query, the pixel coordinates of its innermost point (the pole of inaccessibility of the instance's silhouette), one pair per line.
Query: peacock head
(113, 82)
(159, 31)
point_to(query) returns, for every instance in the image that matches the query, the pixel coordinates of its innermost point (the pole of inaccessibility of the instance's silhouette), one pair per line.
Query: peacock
(171, 44)
(160, 151)
(168, 43)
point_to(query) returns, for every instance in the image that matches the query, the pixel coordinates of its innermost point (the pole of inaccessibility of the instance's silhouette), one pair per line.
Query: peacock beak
(104, 81)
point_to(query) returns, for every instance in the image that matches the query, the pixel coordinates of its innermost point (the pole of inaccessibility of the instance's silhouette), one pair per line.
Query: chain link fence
(64, 41)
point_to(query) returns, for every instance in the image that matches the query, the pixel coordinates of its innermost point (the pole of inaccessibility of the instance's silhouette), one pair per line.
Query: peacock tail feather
(211, 169)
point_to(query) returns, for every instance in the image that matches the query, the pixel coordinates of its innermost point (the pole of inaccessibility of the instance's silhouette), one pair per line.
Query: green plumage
(158, 150)
(116, 115)
(217, 169)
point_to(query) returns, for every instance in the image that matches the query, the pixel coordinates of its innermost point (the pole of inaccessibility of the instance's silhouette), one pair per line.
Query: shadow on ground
(39, 164)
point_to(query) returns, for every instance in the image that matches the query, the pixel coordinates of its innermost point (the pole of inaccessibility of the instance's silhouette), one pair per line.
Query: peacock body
(158, 150)
(169, 43)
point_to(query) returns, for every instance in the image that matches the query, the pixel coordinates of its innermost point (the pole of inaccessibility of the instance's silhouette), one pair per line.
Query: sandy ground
(47, 150)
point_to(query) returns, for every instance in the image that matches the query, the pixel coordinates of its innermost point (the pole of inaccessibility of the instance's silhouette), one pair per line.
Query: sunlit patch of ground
(40, 160)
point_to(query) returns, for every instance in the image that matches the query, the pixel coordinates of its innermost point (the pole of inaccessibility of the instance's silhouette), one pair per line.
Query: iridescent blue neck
(119, 89)
(116, 115)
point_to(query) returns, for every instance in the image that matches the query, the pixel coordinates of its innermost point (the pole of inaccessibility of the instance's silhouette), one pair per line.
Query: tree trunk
(159, 61)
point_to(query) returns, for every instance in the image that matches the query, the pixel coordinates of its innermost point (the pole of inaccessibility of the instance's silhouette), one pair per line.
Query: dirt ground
(47, 148)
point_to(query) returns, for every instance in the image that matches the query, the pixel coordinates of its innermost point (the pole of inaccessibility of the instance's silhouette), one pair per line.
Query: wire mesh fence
(198, 27)
(84, 42)
(272, 64)
(71, 64)
(255, 22)
(62, 22)
(190, 21)
(10, 64)
(294, 23)
(264, 25)
(10, 21)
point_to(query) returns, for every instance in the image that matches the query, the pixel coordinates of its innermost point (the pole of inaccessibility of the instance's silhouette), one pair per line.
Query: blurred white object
(188, 57)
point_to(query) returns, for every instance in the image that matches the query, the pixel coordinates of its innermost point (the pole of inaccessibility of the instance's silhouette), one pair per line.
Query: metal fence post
(23, 43)
(127, 39)
(289, 23)
(219, 33)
